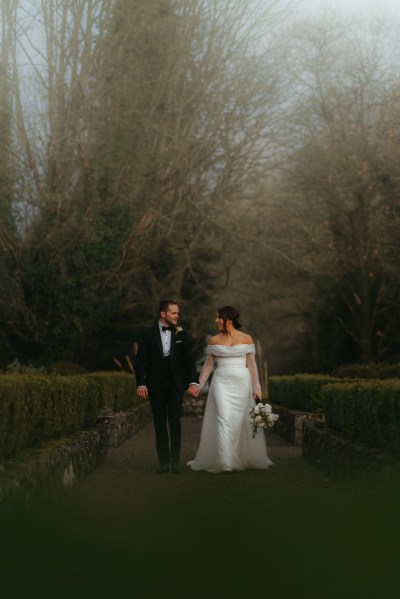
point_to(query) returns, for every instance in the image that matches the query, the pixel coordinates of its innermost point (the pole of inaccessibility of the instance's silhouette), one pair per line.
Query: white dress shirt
(166, 337)
(165, 340)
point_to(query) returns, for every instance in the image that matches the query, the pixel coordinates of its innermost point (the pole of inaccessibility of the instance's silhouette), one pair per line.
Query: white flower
(272, 418)
(261, 416)
(178, 330)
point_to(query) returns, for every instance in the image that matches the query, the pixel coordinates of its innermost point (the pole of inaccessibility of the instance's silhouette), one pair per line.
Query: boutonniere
(178, 330)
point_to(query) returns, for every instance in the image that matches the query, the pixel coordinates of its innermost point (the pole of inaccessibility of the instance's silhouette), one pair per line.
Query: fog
(358, 7)
(223, 154)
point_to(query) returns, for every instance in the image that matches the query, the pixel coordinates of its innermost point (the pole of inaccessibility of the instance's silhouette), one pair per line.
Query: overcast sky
(354, 6)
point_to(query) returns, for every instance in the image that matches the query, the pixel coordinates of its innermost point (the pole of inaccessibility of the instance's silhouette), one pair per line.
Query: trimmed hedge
(37, 409)
(67, 368)
(367, 371)
(299, 391)
(116, 390)
(365, 412)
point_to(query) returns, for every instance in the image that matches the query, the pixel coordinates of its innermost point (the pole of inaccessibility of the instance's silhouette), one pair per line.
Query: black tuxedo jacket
(150, 362)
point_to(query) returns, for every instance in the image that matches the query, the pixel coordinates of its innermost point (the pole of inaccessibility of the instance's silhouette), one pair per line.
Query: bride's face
(220, 323)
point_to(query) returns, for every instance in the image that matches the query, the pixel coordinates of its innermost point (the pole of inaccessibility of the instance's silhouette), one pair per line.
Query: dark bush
(37, 409)
(67, 368)
(17, 368)
(116, 390)
(367, 371)
(366, 412)
(299, 391)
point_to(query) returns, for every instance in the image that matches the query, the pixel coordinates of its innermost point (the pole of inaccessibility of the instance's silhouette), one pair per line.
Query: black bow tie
(163, 328)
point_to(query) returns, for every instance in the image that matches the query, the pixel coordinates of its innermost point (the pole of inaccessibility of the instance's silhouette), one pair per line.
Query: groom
(165, 368)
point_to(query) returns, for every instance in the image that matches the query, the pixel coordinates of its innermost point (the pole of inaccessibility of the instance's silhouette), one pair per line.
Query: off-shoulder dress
(226, 441)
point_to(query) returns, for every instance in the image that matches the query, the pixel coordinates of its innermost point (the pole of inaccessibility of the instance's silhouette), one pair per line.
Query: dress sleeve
(252, 366)
(207, 368)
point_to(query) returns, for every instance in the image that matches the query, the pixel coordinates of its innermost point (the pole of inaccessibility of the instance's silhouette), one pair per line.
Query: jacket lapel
(156, 332)
(173, 339)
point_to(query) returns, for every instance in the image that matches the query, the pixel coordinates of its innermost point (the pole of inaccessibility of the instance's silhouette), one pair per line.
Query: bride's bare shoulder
(215, 340)
(247, 339)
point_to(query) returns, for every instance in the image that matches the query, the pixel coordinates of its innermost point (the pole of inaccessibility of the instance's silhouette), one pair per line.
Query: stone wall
(194, 406)
(344, 460)
(334, 454)
(63, 463)
(291, 422)
(121, 426)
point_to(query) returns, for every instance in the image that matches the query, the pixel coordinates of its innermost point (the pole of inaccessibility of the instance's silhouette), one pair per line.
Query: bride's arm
(206, 370)
(252, 366)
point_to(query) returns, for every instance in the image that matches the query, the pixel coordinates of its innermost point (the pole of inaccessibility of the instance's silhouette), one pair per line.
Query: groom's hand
(194, 390)
(143, 392)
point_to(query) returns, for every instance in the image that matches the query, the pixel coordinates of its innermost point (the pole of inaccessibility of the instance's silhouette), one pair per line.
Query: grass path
(282, 533)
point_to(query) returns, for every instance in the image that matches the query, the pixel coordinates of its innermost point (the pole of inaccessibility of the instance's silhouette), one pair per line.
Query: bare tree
(340, 186)
(141, 156)
(8, 175)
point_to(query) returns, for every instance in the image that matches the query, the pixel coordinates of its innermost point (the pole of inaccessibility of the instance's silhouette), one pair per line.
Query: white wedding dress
(226, 441)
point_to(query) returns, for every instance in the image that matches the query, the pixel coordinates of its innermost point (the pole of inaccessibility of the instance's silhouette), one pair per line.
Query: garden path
(284, 533)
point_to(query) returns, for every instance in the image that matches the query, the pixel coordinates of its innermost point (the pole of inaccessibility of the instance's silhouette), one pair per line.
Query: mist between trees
(204, 150)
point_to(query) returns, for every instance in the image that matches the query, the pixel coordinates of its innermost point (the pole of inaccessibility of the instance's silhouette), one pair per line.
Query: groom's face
(171, 314)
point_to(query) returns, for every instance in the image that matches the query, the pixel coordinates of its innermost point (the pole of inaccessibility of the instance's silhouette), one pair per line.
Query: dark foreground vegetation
(288, 531)
(37, 409)
(364, 411)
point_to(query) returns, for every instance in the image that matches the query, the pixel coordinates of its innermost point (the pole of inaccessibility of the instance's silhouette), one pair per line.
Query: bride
(226, 441)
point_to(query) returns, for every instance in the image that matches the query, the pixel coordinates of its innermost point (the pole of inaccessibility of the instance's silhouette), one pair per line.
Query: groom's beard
(169, 323)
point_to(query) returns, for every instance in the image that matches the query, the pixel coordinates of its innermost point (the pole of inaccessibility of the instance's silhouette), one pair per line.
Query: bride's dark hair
(229, 313)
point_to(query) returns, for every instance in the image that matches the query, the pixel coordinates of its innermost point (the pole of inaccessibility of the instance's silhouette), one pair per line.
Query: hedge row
(299, 391)
(36, 409)
(366, 412)
(115, 390)
(367, 371)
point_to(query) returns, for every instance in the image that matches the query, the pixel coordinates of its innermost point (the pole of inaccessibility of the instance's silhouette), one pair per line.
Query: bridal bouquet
(261, 416)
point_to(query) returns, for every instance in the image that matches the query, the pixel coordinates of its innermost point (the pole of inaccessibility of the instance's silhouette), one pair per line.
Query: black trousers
(166, 406)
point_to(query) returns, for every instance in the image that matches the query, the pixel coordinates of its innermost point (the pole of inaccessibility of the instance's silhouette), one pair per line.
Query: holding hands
(194, 390)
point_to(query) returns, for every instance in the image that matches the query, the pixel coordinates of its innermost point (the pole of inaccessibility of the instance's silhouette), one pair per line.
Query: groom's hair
(165, 303)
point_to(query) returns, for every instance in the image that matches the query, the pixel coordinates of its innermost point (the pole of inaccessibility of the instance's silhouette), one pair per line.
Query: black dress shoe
(176, 469)
(163, 469)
